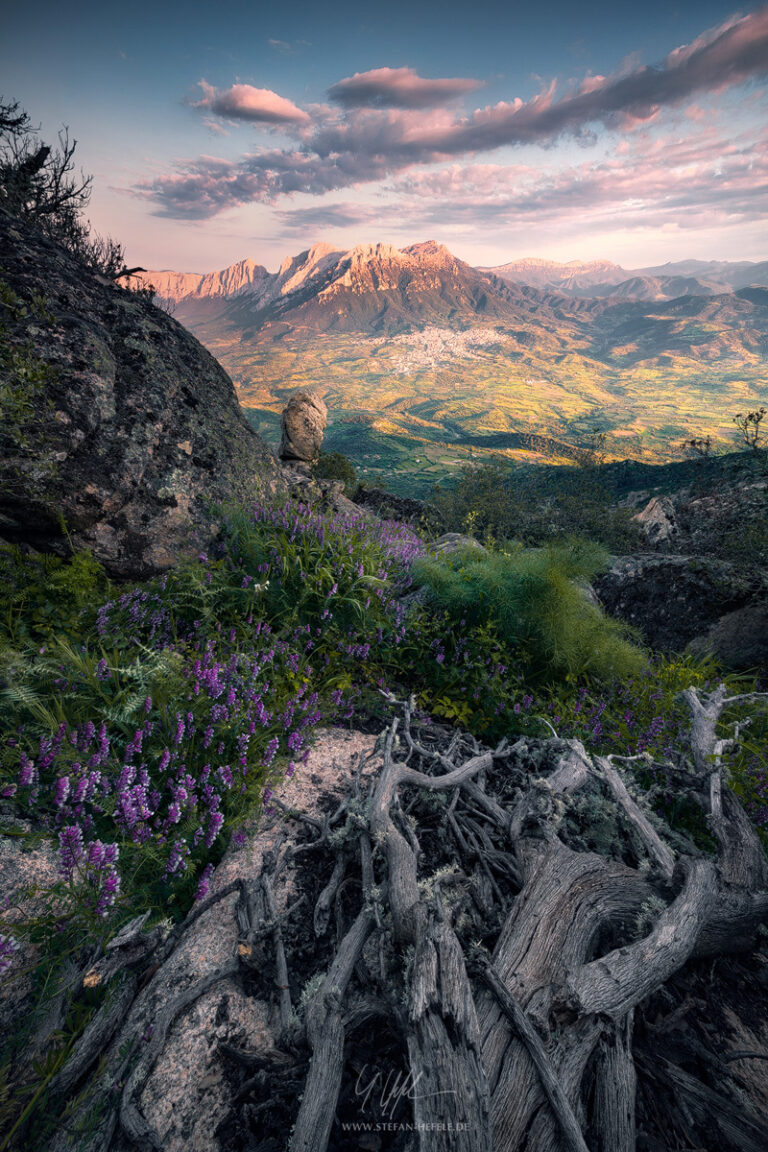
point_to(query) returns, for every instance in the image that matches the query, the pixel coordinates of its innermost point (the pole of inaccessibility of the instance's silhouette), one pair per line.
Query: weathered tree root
(525, 1043)
(568, 900)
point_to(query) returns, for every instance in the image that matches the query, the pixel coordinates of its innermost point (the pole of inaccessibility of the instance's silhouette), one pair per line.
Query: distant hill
(663, 282)
(573, 277)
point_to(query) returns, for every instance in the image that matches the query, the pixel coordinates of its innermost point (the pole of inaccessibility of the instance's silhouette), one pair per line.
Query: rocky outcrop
(658, 521)
(674, 600)
(303, 424)
(451, 542)
(392, 507)
(327, 495)
(124, 433)
(739, 639)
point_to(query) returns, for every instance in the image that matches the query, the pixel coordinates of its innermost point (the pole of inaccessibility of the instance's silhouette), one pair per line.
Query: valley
(426, 363)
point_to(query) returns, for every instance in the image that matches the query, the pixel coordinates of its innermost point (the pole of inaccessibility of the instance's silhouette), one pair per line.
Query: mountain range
(662, 282)
(416, 350)
(575, 278)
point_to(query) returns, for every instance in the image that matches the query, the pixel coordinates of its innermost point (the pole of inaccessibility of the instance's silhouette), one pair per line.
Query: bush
(46, 596)
(336, 466)
(150, 723)
(538, 602)
(495, 500)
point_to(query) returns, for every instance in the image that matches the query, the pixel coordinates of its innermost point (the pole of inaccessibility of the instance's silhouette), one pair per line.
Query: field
(412, 408)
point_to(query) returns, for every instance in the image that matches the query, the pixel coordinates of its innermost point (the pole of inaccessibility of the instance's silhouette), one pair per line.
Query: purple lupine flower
(71, 849)
(177, 859)
(204, 886)
(28, 775)
(9, 948)
(61, 791)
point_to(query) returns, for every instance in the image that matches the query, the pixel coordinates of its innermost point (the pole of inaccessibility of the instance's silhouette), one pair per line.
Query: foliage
(536, 599)
(336, 466)
(749, 426)
(140, 727)
(39, 184)
(493, 500)
(700, 447)
(45, 596)
(24, 377)
(145, 725)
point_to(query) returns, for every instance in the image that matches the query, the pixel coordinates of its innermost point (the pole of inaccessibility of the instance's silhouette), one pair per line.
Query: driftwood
(460, 917)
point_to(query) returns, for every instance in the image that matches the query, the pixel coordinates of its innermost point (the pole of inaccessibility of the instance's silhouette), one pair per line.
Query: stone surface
(303, 423)
(327, 495)
(658, 521)
(22, 870)
(451, 542)
(392, 507)
(739, 639)
(674, 599)
(130, 434)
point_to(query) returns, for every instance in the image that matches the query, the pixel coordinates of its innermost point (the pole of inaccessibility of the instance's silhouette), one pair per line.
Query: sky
(564, 130)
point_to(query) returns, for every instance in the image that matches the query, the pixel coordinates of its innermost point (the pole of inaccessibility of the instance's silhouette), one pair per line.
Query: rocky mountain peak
(365, 253)
(431, 250)
(295, 271)
(244, 276)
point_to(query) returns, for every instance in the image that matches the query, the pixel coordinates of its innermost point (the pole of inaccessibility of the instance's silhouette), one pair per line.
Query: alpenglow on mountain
(374, 286)
(383, 267)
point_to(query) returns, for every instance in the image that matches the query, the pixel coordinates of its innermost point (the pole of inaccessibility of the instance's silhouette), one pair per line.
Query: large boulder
(674, 599)
(739, 639)
(303, 424)
(121, 433)
(452, 542)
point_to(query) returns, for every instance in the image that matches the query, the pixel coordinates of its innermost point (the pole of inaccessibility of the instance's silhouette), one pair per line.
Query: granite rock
(123, 434)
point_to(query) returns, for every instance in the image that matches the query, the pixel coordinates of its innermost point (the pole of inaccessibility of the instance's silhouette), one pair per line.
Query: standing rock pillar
(303, 423)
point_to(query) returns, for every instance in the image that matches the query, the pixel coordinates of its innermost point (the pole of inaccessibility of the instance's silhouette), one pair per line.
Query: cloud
(214, 126)
(256, 105)
(344, 147)
(286, 46)
(397, 88)
(681, 181)
(313, 221)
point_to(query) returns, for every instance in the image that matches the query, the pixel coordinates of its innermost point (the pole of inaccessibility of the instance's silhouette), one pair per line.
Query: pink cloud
(257, 105)
(397, 88)
(346, 147)
(678, 181)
